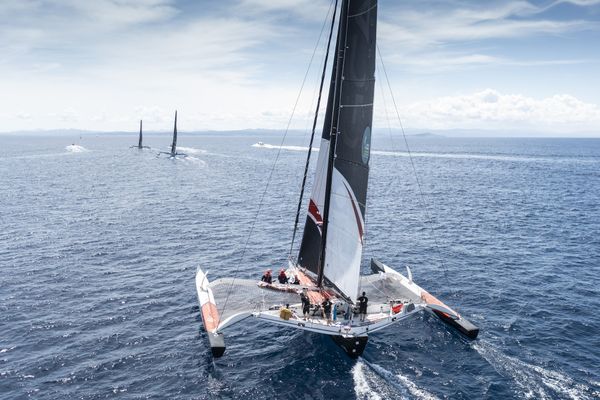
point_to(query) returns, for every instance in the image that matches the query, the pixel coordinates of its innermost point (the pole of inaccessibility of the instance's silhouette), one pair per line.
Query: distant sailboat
(140, 146)
(328, 265)
(173, 153)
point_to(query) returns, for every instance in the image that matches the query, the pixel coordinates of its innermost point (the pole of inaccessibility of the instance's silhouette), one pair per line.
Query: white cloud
(238, 64)
(490, 109)
(312, 10)
(415, 34)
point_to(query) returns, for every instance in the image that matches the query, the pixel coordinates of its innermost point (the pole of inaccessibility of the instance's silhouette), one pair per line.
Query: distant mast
(140, 140)
(174, 145)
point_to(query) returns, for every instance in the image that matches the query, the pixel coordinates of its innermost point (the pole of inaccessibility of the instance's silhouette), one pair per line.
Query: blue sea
(100, 243)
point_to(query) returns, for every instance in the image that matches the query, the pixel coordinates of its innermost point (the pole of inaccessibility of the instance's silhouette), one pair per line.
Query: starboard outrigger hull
(435, 306)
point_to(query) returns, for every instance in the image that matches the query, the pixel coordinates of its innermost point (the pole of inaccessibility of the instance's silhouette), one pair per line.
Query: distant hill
(379, 131)
(426, 135)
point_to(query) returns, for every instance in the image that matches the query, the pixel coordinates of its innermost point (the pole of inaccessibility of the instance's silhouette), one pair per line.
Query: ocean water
(99, 246)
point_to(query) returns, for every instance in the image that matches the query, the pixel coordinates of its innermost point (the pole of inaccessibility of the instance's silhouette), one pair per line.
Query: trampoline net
(234, 296)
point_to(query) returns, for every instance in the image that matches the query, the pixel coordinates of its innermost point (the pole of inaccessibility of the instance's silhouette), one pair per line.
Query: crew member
(326, 304)
(305, 303)
(285, 312)
(282, 277)
(267, 277)
(362, 306)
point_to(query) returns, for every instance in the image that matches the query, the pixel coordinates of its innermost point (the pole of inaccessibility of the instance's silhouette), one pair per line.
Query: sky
(520, 66)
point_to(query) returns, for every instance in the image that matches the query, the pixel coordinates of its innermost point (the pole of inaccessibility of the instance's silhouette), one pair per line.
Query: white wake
(457, 156)
(534, 381)
(289, 148)
(75, 148)
(372, 381)
(193, 160)
(191, 150)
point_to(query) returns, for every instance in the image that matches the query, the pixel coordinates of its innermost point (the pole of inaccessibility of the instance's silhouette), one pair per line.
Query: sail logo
(366, 145)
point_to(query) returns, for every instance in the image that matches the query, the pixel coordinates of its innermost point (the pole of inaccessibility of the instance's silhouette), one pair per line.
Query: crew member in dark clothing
(305, 303)
(326, 304)
(282, 277)
(267, 277)
(362, 306)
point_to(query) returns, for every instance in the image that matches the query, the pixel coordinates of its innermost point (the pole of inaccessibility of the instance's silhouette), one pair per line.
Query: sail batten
(349, 116)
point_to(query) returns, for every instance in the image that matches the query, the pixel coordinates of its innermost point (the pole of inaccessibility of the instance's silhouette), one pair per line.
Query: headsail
(174, 144)
(349, 114)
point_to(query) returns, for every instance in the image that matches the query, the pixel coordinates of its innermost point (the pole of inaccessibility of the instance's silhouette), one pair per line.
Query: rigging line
(412, 163)
(262, 197)
(314, 126)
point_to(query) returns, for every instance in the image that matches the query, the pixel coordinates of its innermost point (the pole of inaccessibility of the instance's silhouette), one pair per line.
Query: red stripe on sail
(314, 211)
(356, 215)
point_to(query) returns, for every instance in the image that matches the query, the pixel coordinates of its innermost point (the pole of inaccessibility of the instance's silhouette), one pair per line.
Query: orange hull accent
(430, 299)
(210, 316)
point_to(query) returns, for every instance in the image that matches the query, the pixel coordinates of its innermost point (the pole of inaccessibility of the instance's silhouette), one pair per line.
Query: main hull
(353, 347)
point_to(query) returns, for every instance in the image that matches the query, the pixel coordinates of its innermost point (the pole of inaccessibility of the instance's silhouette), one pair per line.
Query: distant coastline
(415, 133)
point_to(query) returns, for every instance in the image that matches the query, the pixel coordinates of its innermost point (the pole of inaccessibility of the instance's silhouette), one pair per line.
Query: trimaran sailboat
(140, 146)
(329, 260)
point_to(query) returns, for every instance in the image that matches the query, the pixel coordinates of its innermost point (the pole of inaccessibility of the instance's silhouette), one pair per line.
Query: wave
(75, 148)
(362, 387)
(290, 148)
(459, 156)
(191, 150)
(534, 381)
(193, 160)
(462, 156)
(372, 381)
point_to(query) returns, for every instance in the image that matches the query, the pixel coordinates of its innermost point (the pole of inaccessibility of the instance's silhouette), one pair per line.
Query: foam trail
(75, 148)
(194, 160)
(291, 148)
(361, 383)
(407, 388)
(414, 390)
(534, 381)
(494, 157)
(458, 156)
(191, 150)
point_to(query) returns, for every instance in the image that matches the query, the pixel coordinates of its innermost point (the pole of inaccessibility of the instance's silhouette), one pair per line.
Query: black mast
(140, 140)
